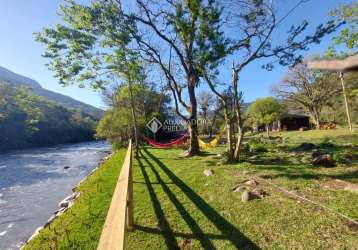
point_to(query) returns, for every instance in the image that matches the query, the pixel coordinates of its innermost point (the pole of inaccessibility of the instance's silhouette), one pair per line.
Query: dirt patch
(337, 184)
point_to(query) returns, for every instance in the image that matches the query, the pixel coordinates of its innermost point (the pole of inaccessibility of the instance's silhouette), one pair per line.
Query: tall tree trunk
(240, 139)
(193, 126)
(206, 130)
(228, 125)
(267, 130)
(240, 122)
(316, 118)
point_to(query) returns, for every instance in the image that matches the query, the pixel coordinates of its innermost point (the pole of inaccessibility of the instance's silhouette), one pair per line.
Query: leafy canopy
(265, 110)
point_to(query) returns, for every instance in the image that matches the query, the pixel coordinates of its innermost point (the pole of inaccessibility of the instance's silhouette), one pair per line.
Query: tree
(306, 89)
(348, 35)
(265, 111)
(116, 124)
(191, 32)
(92, 47)
(335, 110)
(253, 25)
(29, 120)
(205, 101)
(96, 39)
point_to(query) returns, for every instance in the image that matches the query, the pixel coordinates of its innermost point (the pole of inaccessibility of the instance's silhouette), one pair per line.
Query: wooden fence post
(130, 198)
(120, 213)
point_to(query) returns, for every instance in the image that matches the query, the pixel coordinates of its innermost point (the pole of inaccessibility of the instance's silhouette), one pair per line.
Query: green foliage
(29, 120)
(348, 36)
(265, 110)
(116, 124)
(89, 47)
(334, 110)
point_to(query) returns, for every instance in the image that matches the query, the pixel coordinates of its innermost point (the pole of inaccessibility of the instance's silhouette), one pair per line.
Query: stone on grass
(208, 172)
(251, 183)
(239, 189)
(315, 153)
(248, 196)
(325, 160)
(259, 192)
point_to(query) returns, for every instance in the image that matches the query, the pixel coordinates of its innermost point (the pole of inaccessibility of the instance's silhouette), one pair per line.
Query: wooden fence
(120, 213)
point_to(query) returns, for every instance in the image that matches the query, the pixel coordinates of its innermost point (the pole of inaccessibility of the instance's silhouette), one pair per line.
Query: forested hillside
(18, 80)
(30, 120)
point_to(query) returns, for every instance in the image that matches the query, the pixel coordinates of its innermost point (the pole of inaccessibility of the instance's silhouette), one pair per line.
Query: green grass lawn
(177, 207)
(80, 227)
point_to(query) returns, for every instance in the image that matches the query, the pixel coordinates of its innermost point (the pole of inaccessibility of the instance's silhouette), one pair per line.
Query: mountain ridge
(16, 79)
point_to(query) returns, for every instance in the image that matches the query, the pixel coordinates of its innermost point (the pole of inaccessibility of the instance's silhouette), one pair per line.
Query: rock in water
(208, 172)
(325, 160)
(247, 196)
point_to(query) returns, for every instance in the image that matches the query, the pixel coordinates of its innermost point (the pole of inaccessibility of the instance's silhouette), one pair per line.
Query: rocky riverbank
(69, 201)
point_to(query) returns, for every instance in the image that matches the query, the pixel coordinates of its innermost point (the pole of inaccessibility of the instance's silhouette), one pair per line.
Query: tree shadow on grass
(164, 226)
(228, 230)
(311, 176)
(205, 242)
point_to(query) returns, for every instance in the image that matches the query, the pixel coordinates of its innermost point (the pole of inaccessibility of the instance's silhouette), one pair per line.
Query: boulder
(259, 192)
(325, 160)
(251, 183)
(248, 196)
(208, 172)
(68, 201)
(239, 189)
(315, 153)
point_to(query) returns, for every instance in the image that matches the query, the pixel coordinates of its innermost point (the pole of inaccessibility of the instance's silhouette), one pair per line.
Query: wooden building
(288, 121)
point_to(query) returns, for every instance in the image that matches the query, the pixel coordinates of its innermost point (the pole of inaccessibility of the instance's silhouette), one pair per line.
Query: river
(34, 181)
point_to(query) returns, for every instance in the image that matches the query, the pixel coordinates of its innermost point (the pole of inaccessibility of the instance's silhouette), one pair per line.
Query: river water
(34, 181)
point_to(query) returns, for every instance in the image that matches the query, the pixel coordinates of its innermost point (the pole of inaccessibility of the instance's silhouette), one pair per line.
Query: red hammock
(177, 142)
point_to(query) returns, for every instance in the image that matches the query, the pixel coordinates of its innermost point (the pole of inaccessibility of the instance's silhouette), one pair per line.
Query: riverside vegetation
(27, 120)
(178, 207)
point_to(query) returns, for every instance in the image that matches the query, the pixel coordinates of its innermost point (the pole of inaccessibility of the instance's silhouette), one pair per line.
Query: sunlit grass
(177, 207)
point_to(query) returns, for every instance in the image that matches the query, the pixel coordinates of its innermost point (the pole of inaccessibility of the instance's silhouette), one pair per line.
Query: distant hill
(68, 102)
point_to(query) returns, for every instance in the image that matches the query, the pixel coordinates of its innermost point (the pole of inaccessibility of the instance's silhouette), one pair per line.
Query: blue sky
(19, 52)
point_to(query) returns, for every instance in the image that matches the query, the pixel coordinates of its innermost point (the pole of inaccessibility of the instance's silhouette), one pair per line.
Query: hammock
(175, 143)
(213, 143)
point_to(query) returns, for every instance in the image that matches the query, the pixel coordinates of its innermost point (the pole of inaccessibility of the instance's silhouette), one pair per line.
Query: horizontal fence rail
(120, 213)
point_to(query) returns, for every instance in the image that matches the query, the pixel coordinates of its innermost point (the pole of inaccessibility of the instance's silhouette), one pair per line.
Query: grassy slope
(80, 227)
(176, 206)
